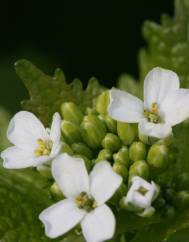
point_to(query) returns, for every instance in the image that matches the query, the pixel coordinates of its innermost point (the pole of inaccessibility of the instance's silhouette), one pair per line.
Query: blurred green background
(84, 38)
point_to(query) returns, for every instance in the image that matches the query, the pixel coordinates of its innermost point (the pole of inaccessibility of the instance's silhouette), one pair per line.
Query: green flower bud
(82, 149)
(126, 132)
(170, 212)
(70, 132)
(145, 139)
(90, 111)
(71, 112)
(122, 156)
(88, 163)
(121, 170)
(147, 213)
(111, 142)
(137, 151)
(45, 171)
(158, 156)
(111, 124)
(104, 154)
(65, 148)
(93, 131)
(55, 190)
(139, 168)
(102, 103)
(182, 181)
(181, 199)
(159, 202)
(170, 194)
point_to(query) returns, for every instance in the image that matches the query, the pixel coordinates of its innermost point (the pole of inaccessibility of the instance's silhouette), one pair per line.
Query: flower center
(84, 201)
(44, 147)
(142, 190)
(152, 115)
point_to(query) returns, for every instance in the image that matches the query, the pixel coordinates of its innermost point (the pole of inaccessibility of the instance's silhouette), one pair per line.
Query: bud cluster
(94, 136)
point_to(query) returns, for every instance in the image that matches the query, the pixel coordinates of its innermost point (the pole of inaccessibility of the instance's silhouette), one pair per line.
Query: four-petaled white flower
(140, 196)
(33, 144)
(165, 104)
(85, 199)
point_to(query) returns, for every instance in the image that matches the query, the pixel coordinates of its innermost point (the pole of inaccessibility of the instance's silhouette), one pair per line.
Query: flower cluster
(100, 159)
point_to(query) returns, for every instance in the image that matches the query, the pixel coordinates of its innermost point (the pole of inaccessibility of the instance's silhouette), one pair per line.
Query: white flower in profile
(33, 144)
(165, 104)
(140, 196)
(85, 199)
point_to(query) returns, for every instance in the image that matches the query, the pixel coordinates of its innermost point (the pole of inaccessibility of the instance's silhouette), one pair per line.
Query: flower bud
(158, 156)
(102, 103)
(111, 124)
(121, 170)
(104, 154)
(122, 156)
(144, 138)
(45, 171)
(90, 111)
(182, 199)
(55, 190)
(71, 112)
(126, 132)
(147, 213)
(139, 168)
(70, 132)
(137, 151)
(65, 148)
(170, 194)
(111, 142)
(182, 181)
(93, 131)
(82, 149)
(170, 212)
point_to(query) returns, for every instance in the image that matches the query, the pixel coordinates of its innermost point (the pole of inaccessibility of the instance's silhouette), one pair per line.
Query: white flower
(85, 199)
(140, 196)
(33, 144)
(165, 104)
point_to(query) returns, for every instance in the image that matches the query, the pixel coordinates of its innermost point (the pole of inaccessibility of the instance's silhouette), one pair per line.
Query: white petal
(176, 107)
(160, 131)
(61, 217)
(99, 225)
(16, 158)
(71, 175)
(103, 182)
(158, 84)
(136, 198)
(125, 107)
(55, 132)
(24, 130)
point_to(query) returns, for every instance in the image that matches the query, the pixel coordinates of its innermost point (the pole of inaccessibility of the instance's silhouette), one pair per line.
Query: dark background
(84, 38)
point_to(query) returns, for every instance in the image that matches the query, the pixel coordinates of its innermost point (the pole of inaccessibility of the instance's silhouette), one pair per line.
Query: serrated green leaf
(168, 43)
(22, 198)
(23, 195)
(4, 120)
(48, 93)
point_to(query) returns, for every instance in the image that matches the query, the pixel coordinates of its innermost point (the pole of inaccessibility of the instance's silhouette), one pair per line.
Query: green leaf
(168, 43)
(4, 120)
(23, 195)
(22, 198)
(48, 93)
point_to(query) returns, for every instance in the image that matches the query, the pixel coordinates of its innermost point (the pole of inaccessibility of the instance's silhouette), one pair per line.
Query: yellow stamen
(44, 147)
(84, 201)
(142, 190)
(152, 115)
